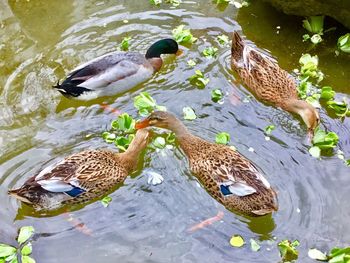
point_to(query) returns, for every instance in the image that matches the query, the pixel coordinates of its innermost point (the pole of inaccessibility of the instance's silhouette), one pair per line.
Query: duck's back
(261, 73)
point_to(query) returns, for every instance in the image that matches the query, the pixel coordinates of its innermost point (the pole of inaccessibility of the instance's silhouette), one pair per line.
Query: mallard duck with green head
(227, 175)
(115, 72)
(81, 177)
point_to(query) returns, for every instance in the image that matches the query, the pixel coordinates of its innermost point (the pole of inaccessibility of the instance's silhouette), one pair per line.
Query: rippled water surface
(41, 41)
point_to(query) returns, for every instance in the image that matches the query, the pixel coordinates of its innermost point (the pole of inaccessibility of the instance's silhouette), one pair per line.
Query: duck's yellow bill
(179, 52)
(142, 124)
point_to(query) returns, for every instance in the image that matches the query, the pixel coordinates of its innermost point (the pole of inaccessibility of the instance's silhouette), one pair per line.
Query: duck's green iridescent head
(164, 46)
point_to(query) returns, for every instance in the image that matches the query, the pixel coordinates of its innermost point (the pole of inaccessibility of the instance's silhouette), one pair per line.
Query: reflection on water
(41, 41)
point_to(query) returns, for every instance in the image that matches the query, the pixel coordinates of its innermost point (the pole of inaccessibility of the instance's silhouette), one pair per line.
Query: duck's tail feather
(237, 46)
(17, 194)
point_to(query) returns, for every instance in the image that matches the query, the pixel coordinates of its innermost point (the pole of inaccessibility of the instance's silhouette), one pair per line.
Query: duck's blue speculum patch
(225, 190)
(75, 192)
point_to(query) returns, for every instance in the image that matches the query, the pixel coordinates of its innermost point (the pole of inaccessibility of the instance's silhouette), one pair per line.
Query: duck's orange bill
(142, 124)
(179, 52)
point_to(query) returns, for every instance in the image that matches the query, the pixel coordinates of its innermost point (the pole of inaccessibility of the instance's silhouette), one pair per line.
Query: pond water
(41, 41)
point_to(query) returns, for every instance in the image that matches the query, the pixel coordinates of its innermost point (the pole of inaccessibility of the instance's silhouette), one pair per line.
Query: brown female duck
(227, 175)
(269, 82)
(81, 176)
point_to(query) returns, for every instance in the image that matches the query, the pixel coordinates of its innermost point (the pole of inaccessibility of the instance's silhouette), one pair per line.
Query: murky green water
(43, 40)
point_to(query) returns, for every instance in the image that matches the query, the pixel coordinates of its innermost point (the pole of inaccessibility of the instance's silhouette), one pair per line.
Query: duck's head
(161, 119)
(308, 113)
(163, 46)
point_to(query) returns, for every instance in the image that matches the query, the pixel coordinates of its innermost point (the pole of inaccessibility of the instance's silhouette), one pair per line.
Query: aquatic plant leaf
(198, 79)
(12, 259)
(347, 162)
(254, 245)
(125, 43)
(237, 241)
(344, 43)
(223, 39)
(268, 129)
(27, 249)
(189, 113)
(146, 104)
(216, 95)
(210, 52)
(6, 250)
(327, 93)
(123, 142)
(27, 259)
(288, 249)
(314, 253)
(314, 24)
(325, 140)
(25, 233)
(340, 108)
(159, 142)
(106, 200)
(191, 63)
(124, 122)
(315, 151)
(155, 2)
(339, 255)
(182, 35)
(174, 2)
(309, 67)
(222, 138)
(316, 38)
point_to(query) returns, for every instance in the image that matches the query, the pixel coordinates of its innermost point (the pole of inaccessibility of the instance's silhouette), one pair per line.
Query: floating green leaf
(191, 63)
(223, 39)
(124, 123)
(123, 142)
(269, 129)
(6, 250)
(347, 162)
(341, 108)
(309, 67)
(327, 93)
(108, 137)
(339, 255)
(125, 43)
(254, 245)
(182, 35)
(314, 24)
(315, 151)
(189, 113)
(159, 142)
(155, 2)
(237, 241)
(27, 249)
(170, 138)
(216, 95)
(173, 2)
(344, 43)
(25, 233)
(198, 79)
(222, 138)
(210, 52)
(27, 259)
(316, 38)
(325, 140)
(146, 104)
(288, 250)
(106, 200)
(316, 254)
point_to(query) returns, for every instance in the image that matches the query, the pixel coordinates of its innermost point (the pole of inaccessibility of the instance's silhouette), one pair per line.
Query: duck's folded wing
(106, 69)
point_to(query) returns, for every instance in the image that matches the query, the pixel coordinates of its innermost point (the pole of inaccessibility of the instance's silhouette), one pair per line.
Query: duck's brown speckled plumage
(214, 164)
(94, 171)
(268, 81)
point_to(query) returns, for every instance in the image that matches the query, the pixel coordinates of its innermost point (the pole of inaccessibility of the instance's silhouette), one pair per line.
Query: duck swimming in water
(115, 72)
(269, 82)
(227, 175)
(81, 177)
